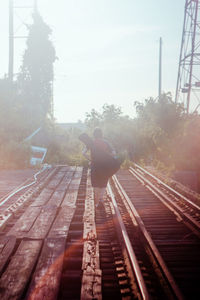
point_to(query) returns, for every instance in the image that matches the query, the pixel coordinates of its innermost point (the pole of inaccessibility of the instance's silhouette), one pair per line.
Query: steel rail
(156, 254)
(168, 201)
(188, 201)
(129, 248)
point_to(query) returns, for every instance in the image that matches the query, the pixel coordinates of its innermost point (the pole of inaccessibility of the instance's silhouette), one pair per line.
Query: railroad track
(17, 200)
(186, 208)
(168, 232)
(134, 246)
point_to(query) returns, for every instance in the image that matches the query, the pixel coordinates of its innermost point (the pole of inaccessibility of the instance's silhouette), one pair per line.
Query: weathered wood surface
(64, 168)
(46, 279)
(91, 285)
(92, 275)
(45, 282)
(4, 219)
(89, 214)
(43, 197)
(79, 171)
(26, 221)
(17, 274)
(10, 180)
(91, 260)
(62, 222)
(58, 195)
(55, 181)
(56, 198)
(43, 223)
(72, 192)
(8, 210)
(70, 198)
(7, 245)
(64, 184)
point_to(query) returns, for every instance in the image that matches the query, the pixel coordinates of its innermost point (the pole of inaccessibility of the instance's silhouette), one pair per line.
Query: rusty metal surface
(176, 242)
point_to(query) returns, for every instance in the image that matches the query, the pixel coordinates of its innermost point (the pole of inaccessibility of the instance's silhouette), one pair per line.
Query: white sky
(107, 50)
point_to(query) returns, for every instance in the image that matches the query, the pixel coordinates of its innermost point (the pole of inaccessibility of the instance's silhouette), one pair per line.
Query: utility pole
(12, 36)
(160, 69)
(188, 80)
(11, 41)
(35, 6)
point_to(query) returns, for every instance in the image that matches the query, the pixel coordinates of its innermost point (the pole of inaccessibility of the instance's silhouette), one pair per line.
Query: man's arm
(85, 153)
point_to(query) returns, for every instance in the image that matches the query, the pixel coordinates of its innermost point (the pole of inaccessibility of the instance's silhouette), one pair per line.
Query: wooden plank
(74, 184)
(7, 245)
(43, 223)
(70, 198)
(92, 275)
(79, 171)
(58, 195)
(64, 169)
(17, 274)
(33, 191)
(62, 222)
(55, 181)
(72, 192)
(66, 181)
(42, 199)
(24, 224)
(63, 186)
(4, 217)
(76, 178)
(91, 285)
(46, 279)
(56, 198)
(89, 214)
(91, 260)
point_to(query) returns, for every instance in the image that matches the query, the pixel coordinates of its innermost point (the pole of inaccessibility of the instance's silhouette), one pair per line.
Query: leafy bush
(127, 163)
(14, 155)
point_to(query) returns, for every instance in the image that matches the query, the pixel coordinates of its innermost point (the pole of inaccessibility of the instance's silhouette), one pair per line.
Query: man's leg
(99, 195)
(96, 195)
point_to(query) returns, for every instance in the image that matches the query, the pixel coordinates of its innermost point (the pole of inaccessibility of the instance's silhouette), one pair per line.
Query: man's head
(97, 133)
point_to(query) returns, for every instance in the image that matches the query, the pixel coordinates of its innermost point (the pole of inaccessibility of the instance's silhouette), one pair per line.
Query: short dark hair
(97, 133)
(84, 137)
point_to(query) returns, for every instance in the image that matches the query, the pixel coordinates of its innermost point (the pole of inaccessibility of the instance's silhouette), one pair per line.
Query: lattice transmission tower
(188, 81)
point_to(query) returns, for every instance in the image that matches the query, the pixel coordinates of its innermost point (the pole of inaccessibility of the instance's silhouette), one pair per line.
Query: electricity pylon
(188, 81)
(13, 6)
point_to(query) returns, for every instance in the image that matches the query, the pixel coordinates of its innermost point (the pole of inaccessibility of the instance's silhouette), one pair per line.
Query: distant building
(68, 126)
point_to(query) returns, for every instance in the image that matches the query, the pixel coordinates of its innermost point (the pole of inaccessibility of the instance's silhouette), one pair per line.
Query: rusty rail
(168, 201)
(129, 248)
(173, 191)
(138, 222)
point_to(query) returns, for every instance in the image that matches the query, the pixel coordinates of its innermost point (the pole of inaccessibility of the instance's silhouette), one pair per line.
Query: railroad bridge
(143, 242)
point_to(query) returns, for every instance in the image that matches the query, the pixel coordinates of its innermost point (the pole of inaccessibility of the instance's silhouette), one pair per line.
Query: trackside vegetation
(160, 134)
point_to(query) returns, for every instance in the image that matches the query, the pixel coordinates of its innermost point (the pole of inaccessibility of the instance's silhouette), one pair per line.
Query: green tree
(93, 119)
(35, 79)
(159, 121)
(117, 128)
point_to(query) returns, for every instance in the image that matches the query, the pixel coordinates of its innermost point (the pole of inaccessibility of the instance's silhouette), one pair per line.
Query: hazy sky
(107, 50)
